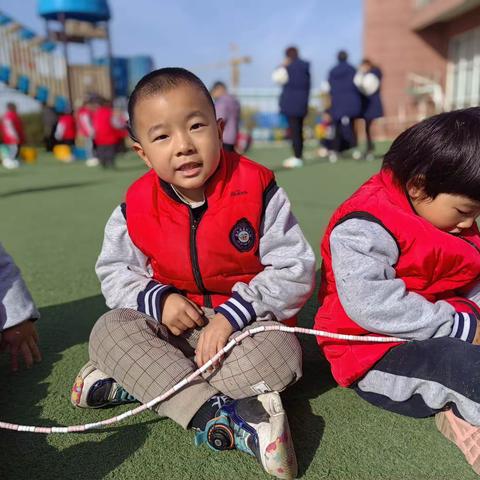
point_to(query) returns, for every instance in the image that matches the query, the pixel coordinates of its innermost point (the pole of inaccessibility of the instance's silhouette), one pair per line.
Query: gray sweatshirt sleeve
(16, 304)
(363, 259)
(282, 288)
(124, 272)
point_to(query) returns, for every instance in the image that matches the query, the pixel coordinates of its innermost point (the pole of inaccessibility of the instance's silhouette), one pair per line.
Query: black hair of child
(161, 81)
(441, 154)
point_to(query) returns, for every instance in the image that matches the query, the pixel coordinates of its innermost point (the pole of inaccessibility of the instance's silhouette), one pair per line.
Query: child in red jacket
(205, 246)
(401, 257)
(11, 130)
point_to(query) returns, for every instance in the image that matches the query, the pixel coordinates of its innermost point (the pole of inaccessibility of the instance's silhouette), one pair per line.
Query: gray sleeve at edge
(16, 303)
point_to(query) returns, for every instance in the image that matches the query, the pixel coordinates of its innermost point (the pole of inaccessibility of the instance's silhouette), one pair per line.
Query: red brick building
(429, 52)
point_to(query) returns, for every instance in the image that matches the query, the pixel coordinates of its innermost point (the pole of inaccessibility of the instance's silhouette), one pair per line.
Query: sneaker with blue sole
(94, 389)
(257, 426)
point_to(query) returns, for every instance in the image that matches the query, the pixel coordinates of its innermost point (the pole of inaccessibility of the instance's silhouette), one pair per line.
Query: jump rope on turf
(231, 344)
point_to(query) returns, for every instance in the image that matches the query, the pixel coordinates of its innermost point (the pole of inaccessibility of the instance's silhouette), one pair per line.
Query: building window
(464, 70)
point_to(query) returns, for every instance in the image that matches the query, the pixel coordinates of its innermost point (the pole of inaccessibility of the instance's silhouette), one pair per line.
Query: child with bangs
(401, 257)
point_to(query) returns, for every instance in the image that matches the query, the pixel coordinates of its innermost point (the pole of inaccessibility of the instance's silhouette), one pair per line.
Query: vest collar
(398, 194)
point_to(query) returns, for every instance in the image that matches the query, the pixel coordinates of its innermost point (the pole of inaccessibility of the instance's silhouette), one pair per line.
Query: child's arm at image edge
(16, 302)
(363, 255)
(282, 288)
(124, 273)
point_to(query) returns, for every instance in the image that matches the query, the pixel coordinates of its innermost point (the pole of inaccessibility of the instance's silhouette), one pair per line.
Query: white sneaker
(293, 162)
(332, 157)
(94, 389)
(322, 152)
(10, 163)
(356, 154)
(92, 162)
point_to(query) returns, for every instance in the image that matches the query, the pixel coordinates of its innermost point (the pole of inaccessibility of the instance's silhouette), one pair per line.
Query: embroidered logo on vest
(242, 235)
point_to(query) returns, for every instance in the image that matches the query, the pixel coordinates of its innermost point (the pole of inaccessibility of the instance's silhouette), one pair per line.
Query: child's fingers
(185, 322)
(37, 356)
(195, 306)
(195, 315)
(210, 350)
(35, 335)
(27, 354)
(14, 358)
(199, 351)
(175, 331)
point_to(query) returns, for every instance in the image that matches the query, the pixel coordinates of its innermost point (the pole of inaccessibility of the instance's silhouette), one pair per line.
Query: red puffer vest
(17, 125)
(105, 132)
(202, 258)
(69, 127)
(432, 263)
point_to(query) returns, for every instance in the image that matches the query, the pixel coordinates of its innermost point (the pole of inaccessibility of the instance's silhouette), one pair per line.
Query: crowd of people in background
(353, 94)
(96, 128)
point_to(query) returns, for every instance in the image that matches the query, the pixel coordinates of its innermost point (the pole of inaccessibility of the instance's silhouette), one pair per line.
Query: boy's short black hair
(218, 84)
(441, 154)
(342, 56)
(160, 81)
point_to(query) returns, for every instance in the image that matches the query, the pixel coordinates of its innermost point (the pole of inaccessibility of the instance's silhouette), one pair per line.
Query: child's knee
(111, 328)
(268, 361)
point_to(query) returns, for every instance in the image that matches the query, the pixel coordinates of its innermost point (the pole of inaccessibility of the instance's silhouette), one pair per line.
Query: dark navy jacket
(372, 104)
(346, 99)
(294, 97)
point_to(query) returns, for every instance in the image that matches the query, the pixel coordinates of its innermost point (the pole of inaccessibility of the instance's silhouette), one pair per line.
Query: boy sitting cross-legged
(204, 247)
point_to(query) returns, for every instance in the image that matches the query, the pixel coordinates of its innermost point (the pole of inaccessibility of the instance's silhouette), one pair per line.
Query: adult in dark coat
(346, 103)
(294, 101)
(368, 80)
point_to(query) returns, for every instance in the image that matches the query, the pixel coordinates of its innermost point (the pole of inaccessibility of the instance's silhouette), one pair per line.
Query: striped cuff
(150, 300)
(237, 311)
(464, 326)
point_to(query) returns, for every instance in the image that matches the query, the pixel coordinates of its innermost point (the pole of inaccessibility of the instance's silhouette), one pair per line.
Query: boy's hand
(23, 339)
(180, 314)
(212, 339)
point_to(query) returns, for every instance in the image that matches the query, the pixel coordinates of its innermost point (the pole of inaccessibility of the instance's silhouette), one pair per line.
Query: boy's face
(448, 212)
(179, 137)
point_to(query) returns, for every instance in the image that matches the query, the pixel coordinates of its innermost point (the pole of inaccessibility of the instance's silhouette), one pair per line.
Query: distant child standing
(227, 108)
(106, 133)
(86, 132)
(11, 129)
(368, 80)
(402, 258)
(66, 129)
(204, 247)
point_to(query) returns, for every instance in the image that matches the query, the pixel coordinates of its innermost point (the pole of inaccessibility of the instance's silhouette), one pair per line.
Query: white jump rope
(195, 374)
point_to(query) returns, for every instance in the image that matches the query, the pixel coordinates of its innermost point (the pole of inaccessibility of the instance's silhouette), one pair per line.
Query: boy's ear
(220, 127)
(415, 188)
(141, 153)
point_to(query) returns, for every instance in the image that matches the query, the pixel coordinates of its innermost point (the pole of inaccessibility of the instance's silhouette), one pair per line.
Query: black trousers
(345, 137)
(420, 378)
(368, 134)
(296, 132)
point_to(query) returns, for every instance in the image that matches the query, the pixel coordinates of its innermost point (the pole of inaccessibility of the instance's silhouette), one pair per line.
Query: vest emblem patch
(242, 235)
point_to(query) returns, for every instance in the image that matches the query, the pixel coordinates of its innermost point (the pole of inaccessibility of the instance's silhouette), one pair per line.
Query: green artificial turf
(52, 220)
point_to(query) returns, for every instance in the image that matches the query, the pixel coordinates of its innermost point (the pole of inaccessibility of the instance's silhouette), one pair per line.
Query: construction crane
(234, 63)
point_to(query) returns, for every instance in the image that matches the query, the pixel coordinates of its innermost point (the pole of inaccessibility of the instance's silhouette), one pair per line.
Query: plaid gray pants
(147, 360)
